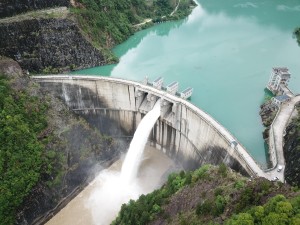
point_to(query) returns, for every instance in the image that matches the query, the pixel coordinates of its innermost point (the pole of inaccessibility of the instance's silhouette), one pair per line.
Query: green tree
(284, 207)
(220, 204)
(241, 219)
(223, 169)
(204, 208)
(271, 205)
(274, 218)
(258, 214)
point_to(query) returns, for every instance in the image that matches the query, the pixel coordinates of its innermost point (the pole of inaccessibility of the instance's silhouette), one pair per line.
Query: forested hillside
(22, 119)
(214, 195)
(46, 152)
(109, 22)
(78, 35)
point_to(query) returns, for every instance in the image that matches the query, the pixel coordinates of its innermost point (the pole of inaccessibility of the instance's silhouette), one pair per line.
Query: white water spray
(101, 201)
(133, 158)
(117, 188)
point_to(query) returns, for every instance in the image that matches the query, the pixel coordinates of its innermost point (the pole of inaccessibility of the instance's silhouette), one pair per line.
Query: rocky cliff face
(13, 7)
(267, 113)
(291, 150)
(49, 45)
(291, 145)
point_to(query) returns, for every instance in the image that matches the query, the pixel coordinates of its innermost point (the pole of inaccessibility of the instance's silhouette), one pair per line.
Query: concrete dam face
(115, 107)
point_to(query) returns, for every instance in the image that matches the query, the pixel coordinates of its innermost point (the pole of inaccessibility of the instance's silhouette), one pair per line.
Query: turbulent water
(100, 202)
(137, 145)
(225, 50)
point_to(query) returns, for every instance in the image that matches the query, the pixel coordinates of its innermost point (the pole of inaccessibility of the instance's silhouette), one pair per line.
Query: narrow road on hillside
(144, 22)
(279, 126)
(150, 20)
(175, 8)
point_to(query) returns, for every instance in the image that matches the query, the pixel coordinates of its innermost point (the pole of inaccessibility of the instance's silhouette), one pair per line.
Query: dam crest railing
(252, 164)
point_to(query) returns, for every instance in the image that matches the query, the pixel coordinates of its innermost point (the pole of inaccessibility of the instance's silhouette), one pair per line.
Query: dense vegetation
(213, 195)
(46, 152)
(297, 35)
(278, 210)
(22, 119)
(110, 22)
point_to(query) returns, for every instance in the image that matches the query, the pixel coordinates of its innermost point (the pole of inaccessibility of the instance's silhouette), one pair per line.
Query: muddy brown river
(100, 201)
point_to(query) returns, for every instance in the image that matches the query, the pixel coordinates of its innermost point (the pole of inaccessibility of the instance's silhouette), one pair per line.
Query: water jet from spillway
(100, 202)
(133, 157)
(118, 188)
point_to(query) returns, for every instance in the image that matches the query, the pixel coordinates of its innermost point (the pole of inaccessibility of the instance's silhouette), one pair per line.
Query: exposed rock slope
(291, 146)
(267, 113)
(47, 44)
(46, 39)
(292, 151)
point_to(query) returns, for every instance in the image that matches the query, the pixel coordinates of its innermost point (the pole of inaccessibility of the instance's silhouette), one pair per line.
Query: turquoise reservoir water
(224, 50)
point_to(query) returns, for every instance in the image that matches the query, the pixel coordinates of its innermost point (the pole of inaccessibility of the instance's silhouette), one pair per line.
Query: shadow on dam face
(116, 107)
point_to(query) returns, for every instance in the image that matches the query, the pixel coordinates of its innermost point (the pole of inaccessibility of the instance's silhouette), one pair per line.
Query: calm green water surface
(224, 50)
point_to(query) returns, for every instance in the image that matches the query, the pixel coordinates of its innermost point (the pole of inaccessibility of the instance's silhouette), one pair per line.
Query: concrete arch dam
(183, 131)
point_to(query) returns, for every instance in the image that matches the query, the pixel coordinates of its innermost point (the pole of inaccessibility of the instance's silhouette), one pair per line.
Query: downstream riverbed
(99, 202)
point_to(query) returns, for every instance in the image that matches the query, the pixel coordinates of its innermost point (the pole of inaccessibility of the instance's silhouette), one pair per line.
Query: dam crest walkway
(254, 169)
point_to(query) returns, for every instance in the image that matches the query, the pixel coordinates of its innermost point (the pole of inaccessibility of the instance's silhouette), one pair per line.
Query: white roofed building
(279, 76)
